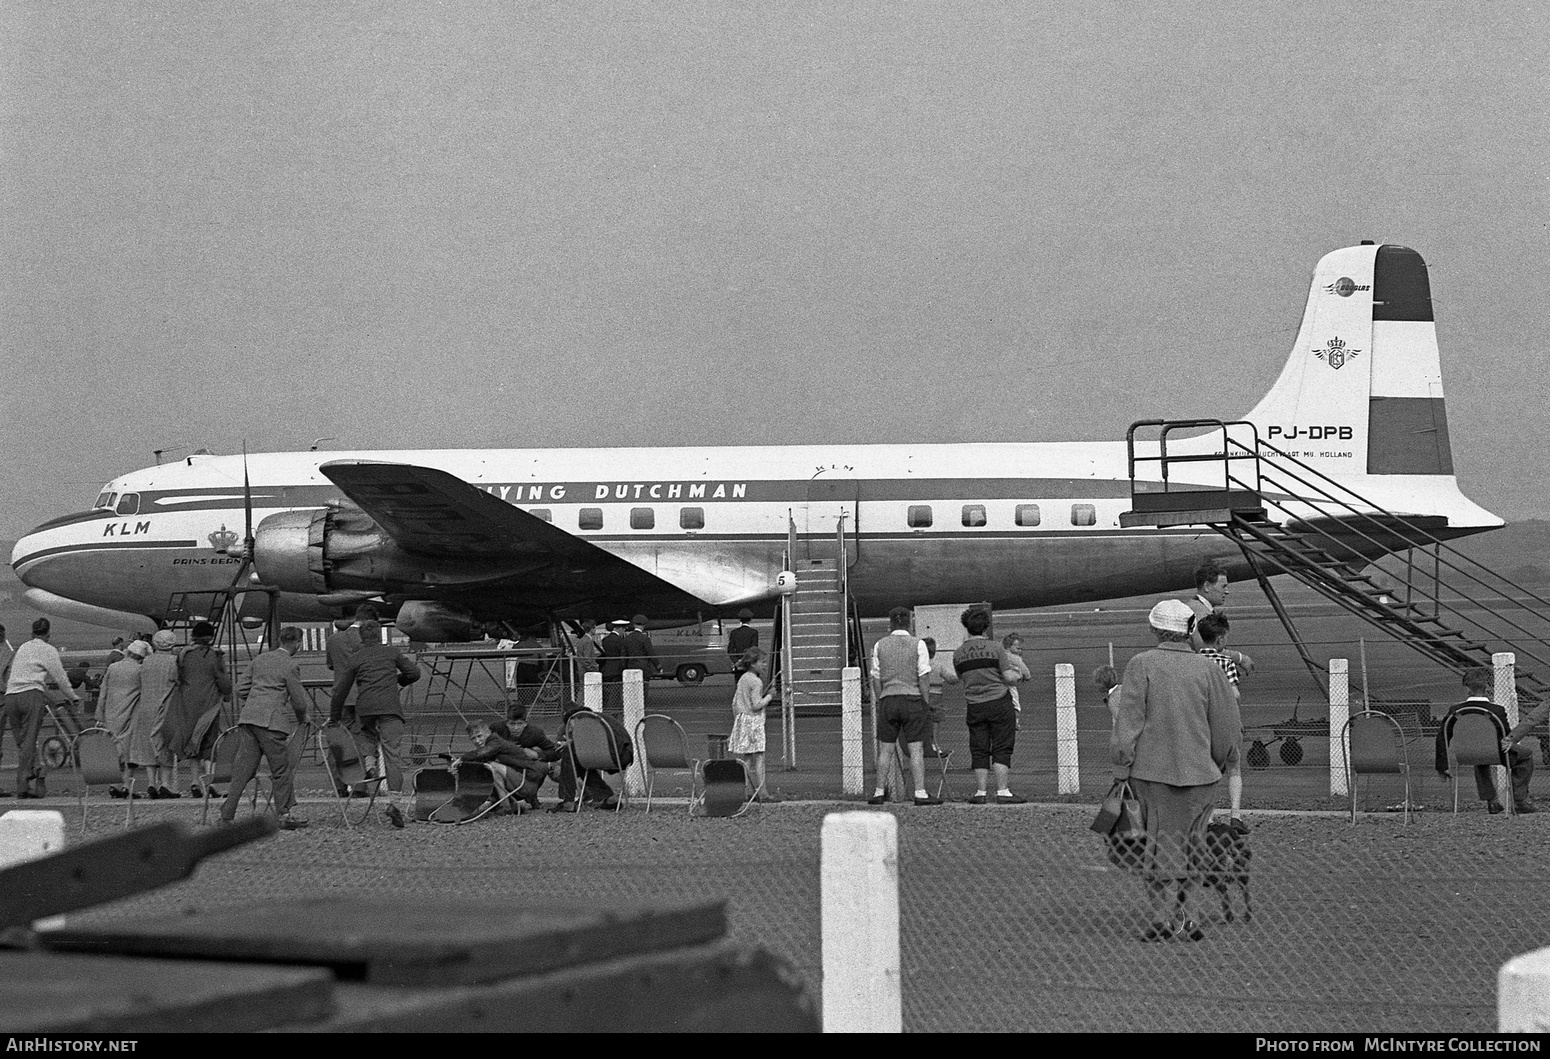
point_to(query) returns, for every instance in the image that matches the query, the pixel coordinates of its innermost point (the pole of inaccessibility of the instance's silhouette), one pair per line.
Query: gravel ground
(1012, 917)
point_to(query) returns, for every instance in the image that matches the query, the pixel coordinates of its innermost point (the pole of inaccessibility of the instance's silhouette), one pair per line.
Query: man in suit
(378, 671)
(1211, 598)
(274, 705)
(610, 662)
(1521, 763)
(640, 653)
(743, 637)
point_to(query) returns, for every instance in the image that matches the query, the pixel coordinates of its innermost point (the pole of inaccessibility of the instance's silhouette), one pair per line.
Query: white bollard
(27, 834)
(1067, 767)
(852, 756)
(1505, 694)
(634, 710)
(592, 691)
(859, 872)
(1523, 993)
(1339, 714)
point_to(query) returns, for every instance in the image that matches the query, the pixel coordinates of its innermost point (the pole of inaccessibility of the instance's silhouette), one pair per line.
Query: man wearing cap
(274, 706)
(640, 653)
(204, 688)
(1176, 730)
(158, 683)
(378, 671)
(610, 660)
(743, 637)
(35, 664)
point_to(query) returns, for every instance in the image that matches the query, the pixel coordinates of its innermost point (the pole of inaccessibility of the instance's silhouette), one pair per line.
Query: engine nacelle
(432, 622)
(288, 551)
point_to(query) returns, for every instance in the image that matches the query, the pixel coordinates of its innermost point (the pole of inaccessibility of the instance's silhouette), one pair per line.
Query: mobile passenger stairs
(1286, 517)
(817, 630)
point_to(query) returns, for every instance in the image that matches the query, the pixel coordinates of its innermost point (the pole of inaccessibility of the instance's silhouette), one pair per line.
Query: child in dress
(746, 743)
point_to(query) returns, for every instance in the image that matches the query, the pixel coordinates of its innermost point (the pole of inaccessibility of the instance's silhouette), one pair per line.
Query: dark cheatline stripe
(989, 662)
(105, 546)
(1408, 435)
(1401, 289)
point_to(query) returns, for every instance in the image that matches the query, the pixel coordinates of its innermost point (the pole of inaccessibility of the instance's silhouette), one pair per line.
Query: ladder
(1286, 517)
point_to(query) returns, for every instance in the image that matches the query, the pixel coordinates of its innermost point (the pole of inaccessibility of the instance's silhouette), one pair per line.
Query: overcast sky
(493, 224)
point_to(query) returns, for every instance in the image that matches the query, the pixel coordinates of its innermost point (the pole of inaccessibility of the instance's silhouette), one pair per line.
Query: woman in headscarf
(116, 703)
(198, 713)
(158, 682)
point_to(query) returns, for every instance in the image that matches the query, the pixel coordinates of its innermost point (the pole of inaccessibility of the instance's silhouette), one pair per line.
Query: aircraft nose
(43, 557)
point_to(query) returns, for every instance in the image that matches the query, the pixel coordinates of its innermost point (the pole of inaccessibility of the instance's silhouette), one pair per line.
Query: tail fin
(1362, 391)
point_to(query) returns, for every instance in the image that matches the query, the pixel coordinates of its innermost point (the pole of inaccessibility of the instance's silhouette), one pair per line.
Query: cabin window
(919, 516)
(590, 518)
(974, 514)
(1027, 514)
(541, 512)
(1084, 515)
(128, 504)
(643, 518)
(691, 518)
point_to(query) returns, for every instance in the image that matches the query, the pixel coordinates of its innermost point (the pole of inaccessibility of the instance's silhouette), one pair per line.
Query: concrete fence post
(1523, 994)
(1339, 714)
(859, 880)
(852, 756)
(1067, 766)
(634, 710)
(592, 691)
(27, 834)
(1505, 694)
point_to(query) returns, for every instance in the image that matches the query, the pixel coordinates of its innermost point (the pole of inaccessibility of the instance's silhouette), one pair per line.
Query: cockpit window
(128, 504)
(104, 499)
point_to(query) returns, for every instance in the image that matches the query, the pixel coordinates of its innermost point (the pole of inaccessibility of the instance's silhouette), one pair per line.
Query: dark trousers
(275, 748)
(1521, 764)
(595, 789)
(23, 715)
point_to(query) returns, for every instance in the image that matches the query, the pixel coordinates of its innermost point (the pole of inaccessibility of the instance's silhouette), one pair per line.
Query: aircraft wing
(436, 514)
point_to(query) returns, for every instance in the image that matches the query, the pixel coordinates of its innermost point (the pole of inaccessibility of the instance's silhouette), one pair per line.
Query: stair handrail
(1435, 599)
(1164, 460)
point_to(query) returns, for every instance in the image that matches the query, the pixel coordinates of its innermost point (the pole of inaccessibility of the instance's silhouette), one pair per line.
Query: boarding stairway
(1286, 517)
(815, 626)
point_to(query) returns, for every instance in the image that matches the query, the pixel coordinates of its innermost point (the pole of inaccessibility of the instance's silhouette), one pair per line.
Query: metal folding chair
(1475, 737)
(663, 745)
(346, 768)
(223, 755)
(96, 765)
(593, 747)
(1377, 745)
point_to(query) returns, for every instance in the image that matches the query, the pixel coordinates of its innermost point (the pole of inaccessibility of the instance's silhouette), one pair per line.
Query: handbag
(1119, 821)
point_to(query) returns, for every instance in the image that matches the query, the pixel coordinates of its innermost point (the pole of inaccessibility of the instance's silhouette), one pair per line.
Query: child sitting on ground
(1213, 637)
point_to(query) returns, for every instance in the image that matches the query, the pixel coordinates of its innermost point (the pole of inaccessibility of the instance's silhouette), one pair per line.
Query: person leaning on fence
(901, 686)
(34, 666)
(749, 702)
(378, 671)
(1520, 761)
(1177, 729)
(987, 674)
(274, 706)
(1211, 631)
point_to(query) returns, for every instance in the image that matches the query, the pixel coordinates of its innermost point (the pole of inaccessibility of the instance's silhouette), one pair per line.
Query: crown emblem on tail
(1335, 353)
(222, 538)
